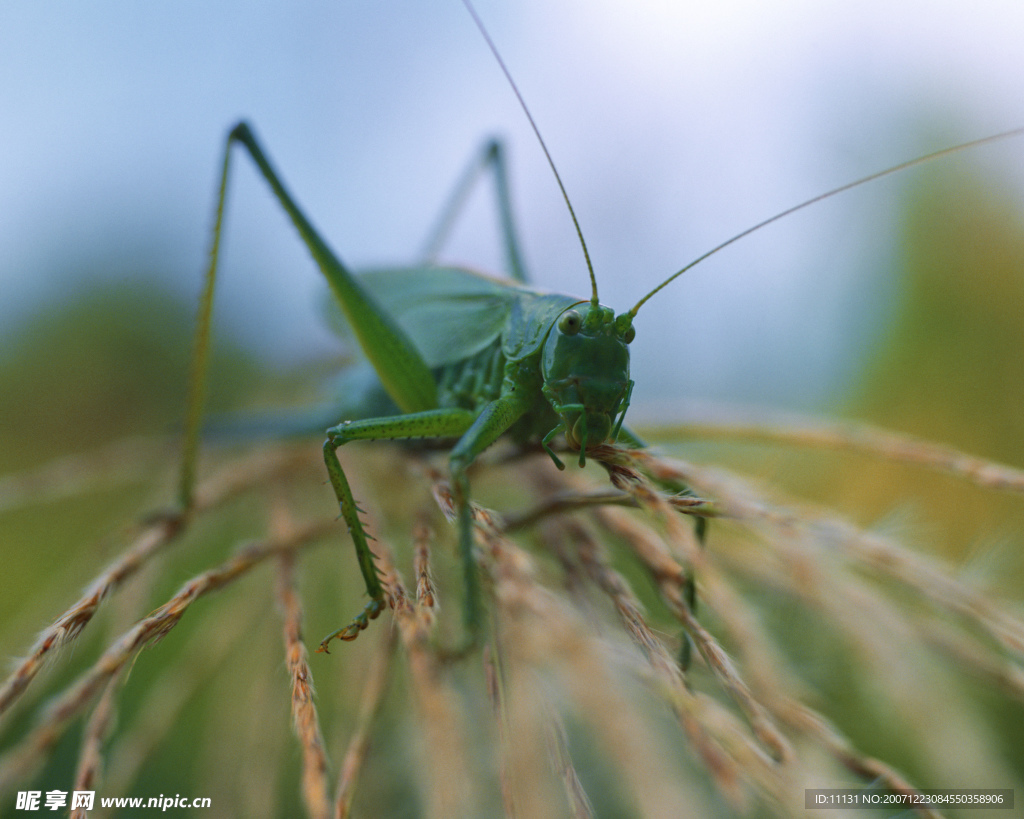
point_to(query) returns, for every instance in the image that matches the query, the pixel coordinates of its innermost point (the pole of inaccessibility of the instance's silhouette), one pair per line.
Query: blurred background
(674, 126)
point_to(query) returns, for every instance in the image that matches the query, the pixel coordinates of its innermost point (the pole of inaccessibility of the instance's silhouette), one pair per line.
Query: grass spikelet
(578, 674)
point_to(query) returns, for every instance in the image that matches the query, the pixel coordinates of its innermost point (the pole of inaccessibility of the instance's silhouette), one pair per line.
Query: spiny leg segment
(439, 423)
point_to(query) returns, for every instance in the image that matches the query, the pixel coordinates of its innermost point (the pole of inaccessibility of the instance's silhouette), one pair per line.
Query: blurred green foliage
(109, 361)
(951, 368)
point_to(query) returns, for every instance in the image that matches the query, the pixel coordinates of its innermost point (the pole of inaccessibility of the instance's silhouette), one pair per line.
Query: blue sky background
(673, 124)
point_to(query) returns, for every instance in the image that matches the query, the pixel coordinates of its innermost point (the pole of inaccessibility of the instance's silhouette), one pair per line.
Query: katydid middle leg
(439, 423)
(477, 431)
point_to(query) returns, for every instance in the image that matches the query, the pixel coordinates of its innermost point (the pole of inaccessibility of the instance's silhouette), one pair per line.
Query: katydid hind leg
(200, 352)
(398, 364)
(490, 157)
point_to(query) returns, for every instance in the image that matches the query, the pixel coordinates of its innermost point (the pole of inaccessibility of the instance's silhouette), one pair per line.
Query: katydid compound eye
(569, 323)
(630, 334)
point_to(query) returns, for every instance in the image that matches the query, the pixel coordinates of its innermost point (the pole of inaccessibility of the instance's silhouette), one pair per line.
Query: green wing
(448, 312)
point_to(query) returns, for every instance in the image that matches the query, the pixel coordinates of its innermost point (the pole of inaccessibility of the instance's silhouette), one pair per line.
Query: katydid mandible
(462, 356)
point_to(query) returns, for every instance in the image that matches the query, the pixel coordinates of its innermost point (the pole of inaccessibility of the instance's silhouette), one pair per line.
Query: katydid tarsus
(464, 357)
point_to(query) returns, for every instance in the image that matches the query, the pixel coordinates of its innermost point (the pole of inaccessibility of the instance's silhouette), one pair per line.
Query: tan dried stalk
(538, 631)
(926, 576)
(90, 758)
(353, 762)
(853, 437)
(552, 656)
(17, 764)
(451, 791)
(160, 530)
(315, 787)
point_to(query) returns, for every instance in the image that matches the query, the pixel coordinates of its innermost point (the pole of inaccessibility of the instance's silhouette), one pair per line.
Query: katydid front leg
(439, 423)
(494, 420)
(700, 528)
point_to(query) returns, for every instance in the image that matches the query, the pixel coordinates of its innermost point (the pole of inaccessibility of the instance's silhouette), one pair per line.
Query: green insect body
(550, 364)
(458, 356)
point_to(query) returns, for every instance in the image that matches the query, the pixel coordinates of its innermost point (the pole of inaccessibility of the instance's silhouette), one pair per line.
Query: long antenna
(828, 194)
(540, 139)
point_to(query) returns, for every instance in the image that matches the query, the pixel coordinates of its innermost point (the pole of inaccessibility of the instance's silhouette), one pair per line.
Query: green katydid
(465, 357)
(461, 356)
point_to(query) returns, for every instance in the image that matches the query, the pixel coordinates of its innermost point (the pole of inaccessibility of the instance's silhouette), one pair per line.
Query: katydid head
(585, 365)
